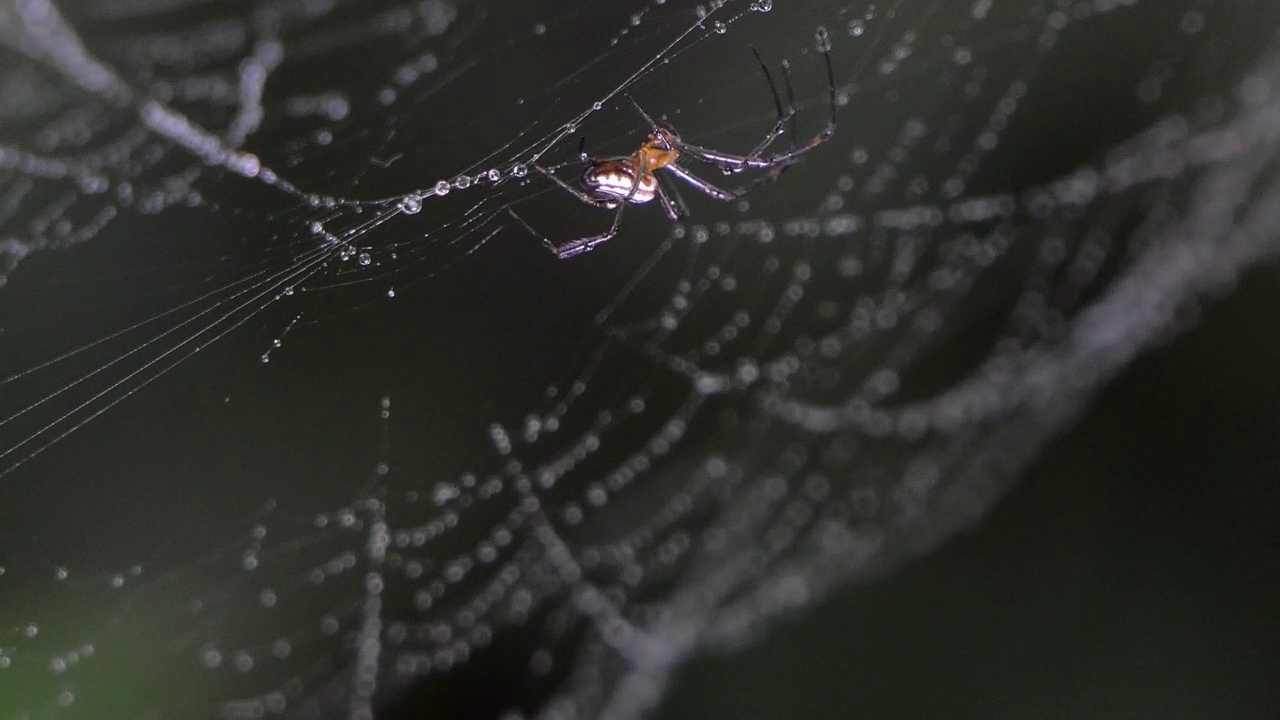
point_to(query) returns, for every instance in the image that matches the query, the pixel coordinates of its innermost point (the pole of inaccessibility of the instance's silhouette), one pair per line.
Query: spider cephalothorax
(615, 183)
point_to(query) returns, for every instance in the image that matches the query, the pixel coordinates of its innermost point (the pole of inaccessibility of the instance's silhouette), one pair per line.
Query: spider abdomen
(617, 181)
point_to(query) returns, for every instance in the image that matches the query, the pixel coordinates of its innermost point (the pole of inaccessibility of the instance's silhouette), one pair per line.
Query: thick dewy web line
(36, 29)
(770, 407)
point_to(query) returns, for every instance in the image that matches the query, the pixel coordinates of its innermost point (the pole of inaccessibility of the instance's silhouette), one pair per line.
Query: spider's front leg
(776, 163)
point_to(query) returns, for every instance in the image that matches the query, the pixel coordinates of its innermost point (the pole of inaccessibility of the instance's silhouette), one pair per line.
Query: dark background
(1133, 571)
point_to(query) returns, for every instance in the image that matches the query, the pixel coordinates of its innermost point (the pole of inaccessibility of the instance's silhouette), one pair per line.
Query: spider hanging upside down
(615, 183)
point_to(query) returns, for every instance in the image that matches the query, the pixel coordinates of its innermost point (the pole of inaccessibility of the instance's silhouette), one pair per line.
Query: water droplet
(442, 187)
(823, 39)
(519, 170)
(763, 6)
(364, 259)
(211, 658)
(462, 183)
(720, 28)
(410, 204)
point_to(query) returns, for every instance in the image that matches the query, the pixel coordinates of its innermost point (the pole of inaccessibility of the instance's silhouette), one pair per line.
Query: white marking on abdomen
(613, 185)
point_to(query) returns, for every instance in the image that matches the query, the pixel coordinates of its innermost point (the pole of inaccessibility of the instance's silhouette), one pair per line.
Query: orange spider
(615, 183)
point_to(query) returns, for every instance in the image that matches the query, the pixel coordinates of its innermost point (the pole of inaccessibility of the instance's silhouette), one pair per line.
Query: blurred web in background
(785, 395)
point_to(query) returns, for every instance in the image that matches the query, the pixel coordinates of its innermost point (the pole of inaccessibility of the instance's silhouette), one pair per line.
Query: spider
(614, 183)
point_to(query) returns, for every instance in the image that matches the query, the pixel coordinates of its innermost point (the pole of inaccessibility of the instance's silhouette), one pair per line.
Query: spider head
(663, 138)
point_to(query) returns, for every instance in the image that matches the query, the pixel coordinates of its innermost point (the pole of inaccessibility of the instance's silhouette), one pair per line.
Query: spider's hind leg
(571, 248)
(550, 246)
(582, 244)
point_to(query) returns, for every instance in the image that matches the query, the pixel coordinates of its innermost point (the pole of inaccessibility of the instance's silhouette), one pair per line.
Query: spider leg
(736, 163)
(699, 184)
(717, 192)
(654, 127)
(584, 197)
(671, 201)
(580, 245)
(784, 117)
(550, 246)
(791, 103)
(573, 247)
(768, 77)
(732, 163)
(786, 121)
(588, 243)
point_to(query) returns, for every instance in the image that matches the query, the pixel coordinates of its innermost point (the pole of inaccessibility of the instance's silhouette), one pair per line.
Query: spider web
(296, 422)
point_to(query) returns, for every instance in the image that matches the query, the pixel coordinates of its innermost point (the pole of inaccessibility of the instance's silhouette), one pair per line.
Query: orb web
(296, 420)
